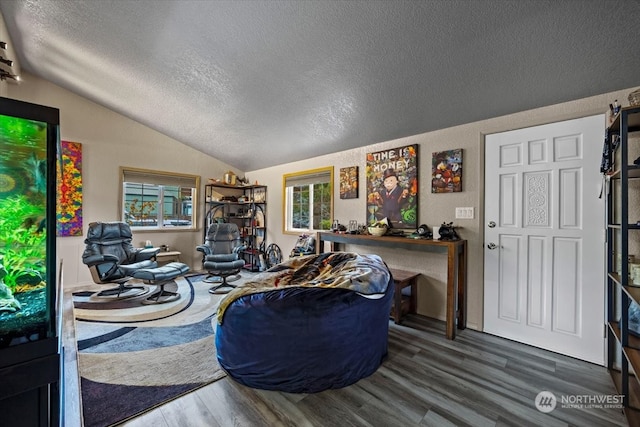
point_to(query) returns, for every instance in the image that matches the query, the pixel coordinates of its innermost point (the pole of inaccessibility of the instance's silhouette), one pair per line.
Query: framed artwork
(446, 171)
(392, 186)
(69, 207)
(349, 182)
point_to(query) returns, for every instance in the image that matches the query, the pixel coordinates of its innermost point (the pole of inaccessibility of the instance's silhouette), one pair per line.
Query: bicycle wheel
(273, 255)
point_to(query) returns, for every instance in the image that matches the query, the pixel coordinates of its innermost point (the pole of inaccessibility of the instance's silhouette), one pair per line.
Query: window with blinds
(157, 200)
(308, 200)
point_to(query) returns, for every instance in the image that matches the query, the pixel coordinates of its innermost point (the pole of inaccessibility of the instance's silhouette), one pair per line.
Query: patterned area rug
(133, 359)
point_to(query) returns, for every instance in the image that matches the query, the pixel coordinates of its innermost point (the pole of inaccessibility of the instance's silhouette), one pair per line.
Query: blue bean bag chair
(308, 324)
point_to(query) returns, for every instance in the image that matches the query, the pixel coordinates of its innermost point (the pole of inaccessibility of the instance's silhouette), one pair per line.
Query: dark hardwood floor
(475, 380)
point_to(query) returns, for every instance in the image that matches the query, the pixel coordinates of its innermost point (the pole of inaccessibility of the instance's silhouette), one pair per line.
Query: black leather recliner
(112, 259)
(221, 254)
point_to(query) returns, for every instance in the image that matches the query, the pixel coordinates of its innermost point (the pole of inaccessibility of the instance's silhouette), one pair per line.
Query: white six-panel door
(544, 239)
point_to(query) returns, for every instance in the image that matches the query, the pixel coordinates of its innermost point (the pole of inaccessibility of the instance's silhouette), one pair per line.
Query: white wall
(109, 141)
(433, 208)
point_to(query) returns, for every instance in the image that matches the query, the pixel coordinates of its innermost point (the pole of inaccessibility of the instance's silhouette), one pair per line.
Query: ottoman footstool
(160, 276)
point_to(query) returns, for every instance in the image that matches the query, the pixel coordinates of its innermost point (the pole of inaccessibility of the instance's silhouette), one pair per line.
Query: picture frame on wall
(349, 182)
(392, 186)
(446, 171)
(69, 194)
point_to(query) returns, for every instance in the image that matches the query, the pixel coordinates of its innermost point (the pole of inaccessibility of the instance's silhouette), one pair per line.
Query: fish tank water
(29, 138)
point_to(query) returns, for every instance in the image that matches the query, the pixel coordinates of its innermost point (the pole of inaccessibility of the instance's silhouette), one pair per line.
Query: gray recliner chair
(112, 259)
(221, 255)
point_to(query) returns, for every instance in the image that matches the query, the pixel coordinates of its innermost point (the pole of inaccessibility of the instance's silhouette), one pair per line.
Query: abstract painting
(69, 208)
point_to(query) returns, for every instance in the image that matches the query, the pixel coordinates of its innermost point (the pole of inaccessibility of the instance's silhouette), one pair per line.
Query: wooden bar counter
(456, 265)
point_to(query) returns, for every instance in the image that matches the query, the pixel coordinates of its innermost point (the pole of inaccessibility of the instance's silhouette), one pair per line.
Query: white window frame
(308, 177)
(159, 179)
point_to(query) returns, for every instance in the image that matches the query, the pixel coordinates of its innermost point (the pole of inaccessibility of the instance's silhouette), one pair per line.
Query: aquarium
(28, 146)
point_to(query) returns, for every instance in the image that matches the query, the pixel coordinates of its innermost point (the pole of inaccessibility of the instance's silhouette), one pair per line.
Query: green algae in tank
(23, 233)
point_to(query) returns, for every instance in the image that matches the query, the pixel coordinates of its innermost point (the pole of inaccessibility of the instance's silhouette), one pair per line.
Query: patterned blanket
(367, 275)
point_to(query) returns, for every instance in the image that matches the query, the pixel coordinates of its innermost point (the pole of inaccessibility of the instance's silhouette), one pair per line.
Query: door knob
(492, 245)
(491, 224)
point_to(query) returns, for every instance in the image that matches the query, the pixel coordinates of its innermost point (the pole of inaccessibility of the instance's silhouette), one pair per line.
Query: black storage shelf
(622, 345)
(633, 172)
(247, 210)
(629, 226)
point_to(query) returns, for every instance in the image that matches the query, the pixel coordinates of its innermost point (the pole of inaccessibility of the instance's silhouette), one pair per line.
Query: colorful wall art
(349, 182)
(69, 209)
(392, 186)
(446, 171)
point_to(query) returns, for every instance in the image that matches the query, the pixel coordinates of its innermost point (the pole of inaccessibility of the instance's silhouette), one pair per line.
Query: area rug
(128, 367)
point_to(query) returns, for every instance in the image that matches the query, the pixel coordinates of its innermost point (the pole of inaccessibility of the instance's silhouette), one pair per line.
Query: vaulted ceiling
(261, 83)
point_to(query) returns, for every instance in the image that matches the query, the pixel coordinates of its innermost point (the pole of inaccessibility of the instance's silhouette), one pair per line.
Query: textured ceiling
(261, 83)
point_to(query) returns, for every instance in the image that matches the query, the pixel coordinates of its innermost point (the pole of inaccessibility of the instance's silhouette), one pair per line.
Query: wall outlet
(464, 213)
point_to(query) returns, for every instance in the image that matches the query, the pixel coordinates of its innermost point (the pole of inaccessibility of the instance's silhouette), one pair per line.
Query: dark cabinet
(30, 350)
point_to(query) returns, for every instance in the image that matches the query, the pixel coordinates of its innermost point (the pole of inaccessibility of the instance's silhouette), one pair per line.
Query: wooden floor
(476, 380)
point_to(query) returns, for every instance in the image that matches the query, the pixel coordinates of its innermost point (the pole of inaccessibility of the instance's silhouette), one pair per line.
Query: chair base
(161, 296)
(216, 278)
(222, 288)
(223, 283)
(122, 292)
(160, 276)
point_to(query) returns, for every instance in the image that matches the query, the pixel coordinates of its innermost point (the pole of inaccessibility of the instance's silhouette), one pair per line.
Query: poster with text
(392, 186)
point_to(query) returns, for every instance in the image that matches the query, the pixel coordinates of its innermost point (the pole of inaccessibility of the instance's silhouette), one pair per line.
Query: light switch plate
(464, 213)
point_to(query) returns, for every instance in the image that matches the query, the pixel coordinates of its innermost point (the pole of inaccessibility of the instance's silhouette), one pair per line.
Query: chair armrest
(239, 249)
(145, 254)
(204, 249)
(100, 259)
